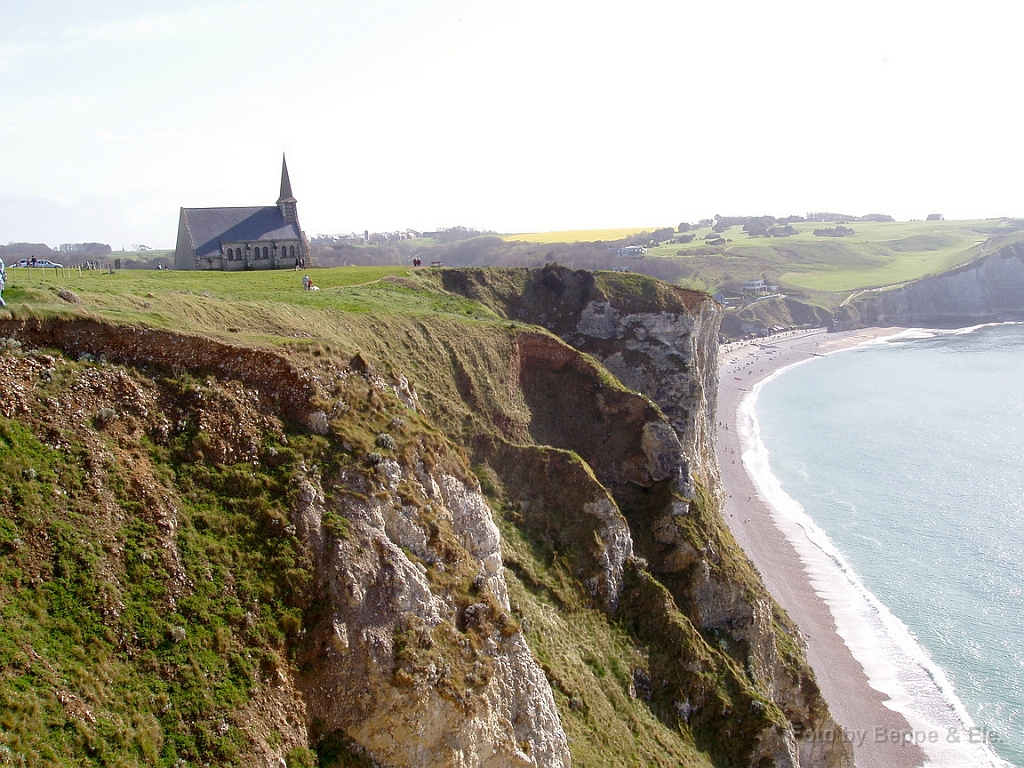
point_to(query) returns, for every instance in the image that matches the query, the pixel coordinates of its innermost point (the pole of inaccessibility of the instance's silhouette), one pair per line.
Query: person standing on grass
(3, 282)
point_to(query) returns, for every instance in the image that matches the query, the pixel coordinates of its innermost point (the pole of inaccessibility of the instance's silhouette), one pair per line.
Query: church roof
(209, 227)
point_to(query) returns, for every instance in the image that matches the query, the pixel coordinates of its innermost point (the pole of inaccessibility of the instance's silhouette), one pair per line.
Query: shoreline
(855, 705)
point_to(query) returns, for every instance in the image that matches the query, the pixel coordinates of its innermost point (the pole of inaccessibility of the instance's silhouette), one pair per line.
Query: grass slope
(160, 681)
(118, 647)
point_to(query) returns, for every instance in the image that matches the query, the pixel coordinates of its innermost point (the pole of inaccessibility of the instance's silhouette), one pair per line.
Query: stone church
(235, 239)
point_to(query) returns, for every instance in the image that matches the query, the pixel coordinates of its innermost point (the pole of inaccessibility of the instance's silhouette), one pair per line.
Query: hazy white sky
(512, 115)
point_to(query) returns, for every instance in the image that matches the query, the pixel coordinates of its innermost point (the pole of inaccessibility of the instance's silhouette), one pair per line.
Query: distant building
(236, 239)
(631, 251)
(755, 286)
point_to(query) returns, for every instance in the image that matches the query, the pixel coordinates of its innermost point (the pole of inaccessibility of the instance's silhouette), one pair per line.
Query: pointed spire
(286, 183)
(286, 202)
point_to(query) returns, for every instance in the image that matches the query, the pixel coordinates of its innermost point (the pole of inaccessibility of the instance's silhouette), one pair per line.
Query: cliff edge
(989, 289)
(482, 536)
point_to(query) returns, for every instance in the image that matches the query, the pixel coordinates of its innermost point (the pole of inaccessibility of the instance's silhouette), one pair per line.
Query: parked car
(37, 263)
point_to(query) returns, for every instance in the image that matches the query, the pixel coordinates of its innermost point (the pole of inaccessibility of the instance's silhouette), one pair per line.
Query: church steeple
(286, 202)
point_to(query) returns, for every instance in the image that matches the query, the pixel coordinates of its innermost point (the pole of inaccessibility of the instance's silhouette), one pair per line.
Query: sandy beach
(855, 705)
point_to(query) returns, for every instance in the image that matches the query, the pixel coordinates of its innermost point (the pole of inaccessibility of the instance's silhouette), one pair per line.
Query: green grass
(225, 285)
(891, 254)
(99, 662)
(878, 254)
(267, 308)
(590, 661)
(270, 307)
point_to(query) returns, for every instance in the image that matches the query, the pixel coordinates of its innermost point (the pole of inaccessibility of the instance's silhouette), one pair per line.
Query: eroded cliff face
(987, 290)
(365, 601)
(671, 357)
(661, 473)
(414, 653)
(659, 341)
(381, 626)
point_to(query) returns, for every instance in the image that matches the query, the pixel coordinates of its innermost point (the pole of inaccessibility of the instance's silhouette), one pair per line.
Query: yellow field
(578, 235)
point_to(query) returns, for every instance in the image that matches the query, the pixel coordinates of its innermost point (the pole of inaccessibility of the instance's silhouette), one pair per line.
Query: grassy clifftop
(159, 430)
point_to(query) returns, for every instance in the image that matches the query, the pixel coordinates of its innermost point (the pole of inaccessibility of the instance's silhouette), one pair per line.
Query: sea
(897, 470)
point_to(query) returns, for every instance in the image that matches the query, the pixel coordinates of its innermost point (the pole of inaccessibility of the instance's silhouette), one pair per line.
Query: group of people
(307, 284)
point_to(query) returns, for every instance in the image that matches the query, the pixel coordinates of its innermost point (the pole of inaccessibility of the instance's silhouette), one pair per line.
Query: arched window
(231, 255)
(266, 252)
(291, 251)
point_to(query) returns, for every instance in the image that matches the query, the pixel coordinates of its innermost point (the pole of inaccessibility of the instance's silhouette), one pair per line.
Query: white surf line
(894, 662)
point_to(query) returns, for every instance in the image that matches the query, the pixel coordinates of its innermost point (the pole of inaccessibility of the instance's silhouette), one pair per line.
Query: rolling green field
(824, 269)
(878, 254)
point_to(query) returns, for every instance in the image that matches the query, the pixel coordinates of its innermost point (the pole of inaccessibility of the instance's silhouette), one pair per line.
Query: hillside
(815, 275)
(875, 254)
(412, 518)
(872, 254)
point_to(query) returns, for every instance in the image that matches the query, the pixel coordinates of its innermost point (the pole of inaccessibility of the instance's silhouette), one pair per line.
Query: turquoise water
(909, 455)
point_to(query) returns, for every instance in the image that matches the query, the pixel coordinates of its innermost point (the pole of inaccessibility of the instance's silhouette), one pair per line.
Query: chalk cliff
(661, 344)
(986, 290)
(416, 540)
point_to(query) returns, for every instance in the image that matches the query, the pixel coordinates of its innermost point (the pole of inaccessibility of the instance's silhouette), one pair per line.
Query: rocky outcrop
(758, 317)
(619, 433)
(649, 440)
(414, 655)
(656, 339)
(986, 290)
(557, 498)
(669, 356)
(406, 642)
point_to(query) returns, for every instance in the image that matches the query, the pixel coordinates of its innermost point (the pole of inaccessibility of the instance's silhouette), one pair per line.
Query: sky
(503, 115)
